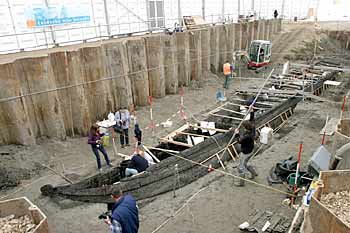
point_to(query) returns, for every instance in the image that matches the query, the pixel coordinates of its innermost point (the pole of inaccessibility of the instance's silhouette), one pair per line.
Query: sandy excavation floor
(219, 207)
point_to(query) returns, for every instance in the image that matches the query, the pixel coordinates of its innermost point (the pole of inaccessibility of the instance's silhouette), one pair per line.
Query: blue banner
(43, 16)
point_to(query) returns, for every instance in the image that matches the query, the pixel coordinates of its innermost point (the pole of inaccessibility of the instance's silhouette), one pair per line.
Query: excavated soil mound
(339, 204)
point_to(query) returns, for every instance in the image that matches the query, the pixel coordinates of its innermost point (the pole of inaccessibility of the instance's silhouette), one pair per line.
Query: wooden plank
(222, 165)
(285, 92)
(229, 110)
(173, 134)
(232, 156)
(151, 154)
(229, 117)
(234, 149)
(240, 105)
(207, 159)
(216, 109)
(262, 103)
(192, 134)
(175, 142)
(164, 150)
(210, 129)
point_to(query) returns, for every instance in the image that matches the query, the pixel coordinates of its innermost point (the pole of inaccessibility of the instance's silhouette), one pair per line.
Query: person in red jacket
(95, 140)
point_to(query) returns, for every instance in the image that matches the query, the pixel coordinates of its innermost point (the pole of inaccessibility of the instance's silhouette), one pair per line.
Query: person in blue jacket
(125, 215)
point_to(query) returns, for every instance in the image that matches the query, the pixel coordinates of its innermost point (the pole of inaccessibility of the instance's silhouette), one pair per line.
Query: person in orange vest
(228, 69)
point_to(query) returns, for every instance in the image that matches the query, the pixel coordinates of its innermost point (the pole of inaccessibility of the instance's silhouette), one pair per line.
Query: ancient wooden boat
(174, 172)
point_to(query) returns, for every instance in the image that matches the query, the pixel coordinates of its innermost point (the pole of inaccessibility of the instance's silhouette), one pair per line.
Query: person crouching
(136, 165)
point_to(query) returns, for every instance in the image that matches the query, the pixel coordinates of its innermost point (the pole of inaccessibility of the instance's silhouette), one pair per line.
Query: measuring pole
(297, 173)
(324, 132)
(151, 113)
(343, 108)
(248, 112)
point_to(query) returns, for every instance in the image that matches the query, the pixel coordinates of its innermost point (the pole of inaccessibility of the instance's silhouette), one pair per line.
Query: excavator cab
(259, 53)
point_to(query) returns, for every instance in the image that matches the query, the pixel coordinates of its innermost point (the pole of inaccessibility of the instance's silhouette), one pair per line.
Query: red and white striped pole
(151, 112)
(343, 108)
(297, 173)
(324, 132)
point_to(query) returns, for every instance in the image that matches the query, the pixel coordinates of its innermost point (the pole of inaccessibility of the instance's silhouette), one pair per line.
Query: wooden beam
(221, 163)
(164, 150)
(172, 134)
(233, 157)
(175, 142)
(216, 109)
(192, 134)
(240, 105)
(255, 102)
(151, 154)
(210, 129)
(229, 117)
(58, 173)
(229, 110)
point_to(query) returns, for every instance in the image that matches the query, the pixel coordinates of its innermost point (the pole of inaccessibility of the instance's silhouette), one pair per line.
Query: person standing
(95, 140)
(138, 134)
(246, 139)
(227, 73)
(125, 215)
(275, 14)
(122, 117)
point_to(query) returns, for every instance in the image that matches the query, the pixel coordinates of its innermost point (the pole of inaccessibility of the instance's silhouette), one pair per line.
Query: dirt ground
(220, 206)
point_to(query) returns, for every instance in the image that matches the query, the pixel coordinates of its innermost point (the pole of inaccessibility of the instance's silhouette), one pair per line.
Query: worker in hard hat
(228, 71)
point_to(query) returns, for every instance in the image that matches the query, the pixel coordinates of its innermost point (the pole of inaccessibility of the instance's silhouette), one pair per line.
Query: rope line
(179, 210)
(231, 175)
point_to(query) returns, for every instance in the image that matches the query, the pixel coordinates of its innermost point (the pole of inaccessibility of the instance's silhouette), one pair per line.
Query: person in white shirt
(122, 117)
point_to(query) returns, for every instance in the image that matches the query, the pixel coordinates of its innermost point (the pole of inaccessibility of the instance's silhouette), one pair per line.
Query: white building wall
(128, 16)
(171, 13)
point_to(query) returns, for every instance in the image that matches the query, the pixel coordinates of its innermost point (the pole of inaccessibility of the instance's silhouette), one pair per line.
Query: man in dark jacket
(136, 165)
(125, 215)
(246, 139)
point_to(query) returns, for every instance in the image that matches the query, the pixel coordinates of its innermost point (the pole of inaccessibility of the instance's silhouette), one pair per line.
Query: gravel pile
(23, 224)
(339, 204)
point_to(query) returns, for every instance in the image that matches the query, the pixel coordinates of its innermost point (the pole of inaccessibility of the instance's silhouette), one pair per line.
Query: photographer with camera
(124, 217)
(95, 140)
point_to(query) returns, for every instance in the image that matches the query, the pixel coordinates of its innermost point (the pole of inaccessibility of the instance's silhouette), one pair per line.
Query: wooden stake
(58, 173)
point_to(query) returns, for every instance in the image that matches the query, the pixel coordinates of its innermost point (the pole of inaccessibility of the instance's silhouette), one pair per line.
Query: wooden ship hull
(174, 172)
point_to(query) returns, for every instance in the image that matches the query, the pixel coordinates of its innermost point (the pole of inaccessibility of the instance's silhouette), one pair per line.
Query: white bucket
(265, 135)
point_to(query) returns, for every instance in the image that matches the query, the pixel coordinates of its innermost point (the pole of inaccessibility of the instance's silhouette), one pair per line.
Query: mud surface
(219, 207)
